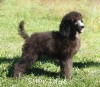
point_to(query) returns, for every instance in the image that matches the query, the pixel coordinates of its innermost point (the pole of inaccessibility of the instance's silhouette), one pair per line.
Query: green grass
(45, 15)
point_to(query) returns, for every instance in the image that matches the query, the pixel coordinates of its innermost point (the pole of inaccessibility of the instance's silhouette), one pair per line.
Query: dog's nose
(82, 26)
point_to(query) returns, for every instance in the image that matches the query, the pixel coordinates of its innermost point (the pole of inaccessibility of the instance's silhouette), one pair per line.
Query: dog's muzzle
(80, 26)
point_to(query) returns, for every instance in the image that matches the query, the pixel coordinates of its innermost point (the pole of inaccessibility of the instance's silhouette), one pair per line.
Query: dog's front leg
(66, 68)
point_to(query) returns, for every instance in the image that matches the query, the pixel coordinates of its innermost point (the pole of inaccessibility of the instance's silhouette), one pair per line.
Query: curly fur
(61, 45)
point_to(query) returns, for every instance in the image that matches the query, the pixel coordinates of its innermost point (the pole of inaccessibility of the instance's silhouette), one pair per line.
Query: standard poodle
(61, 45)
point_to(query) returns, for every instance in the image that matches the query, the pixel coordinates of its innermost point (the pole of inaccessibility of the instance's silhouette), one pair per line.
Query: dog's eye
(74, 21)
(81, 20)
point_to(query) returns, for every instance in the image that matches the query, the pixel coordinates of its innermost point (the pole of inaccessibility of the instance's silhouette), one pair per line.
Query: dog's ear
(65, 28)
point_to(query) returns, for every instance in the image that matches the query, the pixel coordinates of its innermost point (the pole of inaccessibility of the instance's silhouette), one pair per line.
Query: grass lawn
(45, 15)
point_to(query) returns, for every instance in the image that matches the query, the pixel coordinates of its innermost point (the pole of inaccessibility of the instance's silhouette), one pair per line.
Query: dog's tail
(21, 30)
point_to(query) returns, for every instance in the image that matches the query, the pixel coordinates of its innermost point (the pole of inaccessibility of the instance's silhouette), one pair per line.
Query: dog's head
(71, 22)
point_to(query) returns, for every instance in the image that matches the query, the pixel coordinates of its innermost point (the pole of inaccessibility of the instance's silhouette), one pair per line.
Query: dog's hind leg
(26, 61)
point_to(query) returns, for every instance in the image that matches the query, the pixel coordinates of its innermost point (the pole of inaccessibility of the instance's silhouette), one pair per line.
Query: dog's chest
(71, 47)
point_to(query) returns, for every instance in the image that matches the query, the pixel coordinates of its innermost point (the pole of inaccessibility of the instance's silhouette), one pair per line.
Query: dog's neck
(73, 35)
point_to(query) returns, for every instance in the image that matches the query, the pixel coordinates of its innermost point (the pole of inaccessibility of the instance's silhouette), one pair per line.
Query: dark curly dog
(61, 45)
